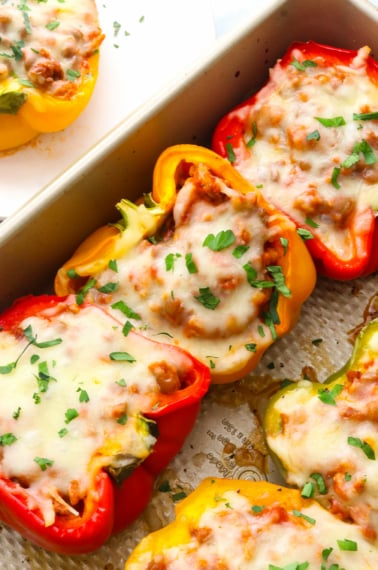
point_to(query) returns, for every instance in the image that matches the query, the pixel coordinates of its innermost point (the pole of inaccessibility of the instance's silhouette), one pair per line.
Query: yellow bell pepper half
(31, 111)
(240, 525)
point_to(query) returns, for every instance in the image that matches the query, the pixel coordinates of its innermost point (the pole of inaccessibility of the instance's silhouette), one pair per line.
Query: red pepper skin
(231, 129)
(91, 530)
(108, 508)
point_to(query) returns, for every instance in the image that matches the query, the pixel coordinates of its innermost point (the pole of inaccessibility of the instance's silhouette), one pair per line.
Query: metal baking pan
(37, 239)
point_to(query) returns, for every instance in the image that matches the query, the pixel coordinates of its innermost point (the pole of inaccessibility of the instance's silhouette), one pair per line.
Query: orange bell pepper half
(204, 262)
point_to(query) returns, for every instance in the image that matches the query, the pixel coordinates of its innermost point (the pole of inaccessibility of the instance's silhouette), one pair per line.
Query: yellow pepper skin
(141, 221)
(232, 524)
(324, 436)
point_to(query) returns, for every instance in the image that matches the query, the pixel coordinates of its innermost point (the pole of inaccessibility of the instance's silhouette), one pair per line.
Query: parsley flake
(207, 299)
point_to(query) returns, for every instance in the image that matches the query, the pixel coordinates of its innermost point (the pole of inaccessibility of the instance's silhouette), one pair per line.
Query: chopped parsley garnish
(279, 279)
(257, 508)
(72, 274)
(304, 234)
(127, 311)
(72, 74)
(275, 272)
(122, 420)
(230, 153)
(81, 294)
(28, 332)
(253, 138)
(28, 29)
(207, 299)
(310, 222)
(222, 240)
(179, 496)
(251, 347)
(331, 122)
(190, 264)
(113, 265)
(316, 341)
(170, 260)
(44, 377)
(328, 396)
(108, 287)
(127, 327)
(83, 395)
(7, 439)
(116, 28)
(334, 177)
(313, 136)
(320, 483)
(348, 544)
(52, 25)
(373, 116)
(363, 445)
(285, 244)
(303, 65)
(240, 250)
(326, 553)
(70, 415)
(43, 462)
(121, 357)
(308, 490)
(303, 516)
(165, 487)
(16, 414)
(367, 151)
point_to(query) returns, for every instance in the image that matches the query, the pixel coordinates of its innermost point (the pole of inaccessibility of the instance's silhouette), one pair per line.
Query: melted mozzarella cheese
(234, 538)
(62, 402)
(167, 296)
(316, 438)
(298, 174)
(44, 44)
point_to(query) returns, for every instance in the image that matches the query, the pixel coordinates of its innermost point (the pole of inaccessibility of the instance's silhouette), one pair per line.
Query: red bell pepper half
(309, 139)
(110, 504)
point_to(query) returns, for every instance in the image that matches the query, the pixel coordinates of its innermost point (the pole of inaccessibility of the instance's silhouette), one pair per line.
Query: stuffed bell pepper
(325, 436)
(204, 262)
(309, 138)
(239, 525)
(48, 66)
(90, 413)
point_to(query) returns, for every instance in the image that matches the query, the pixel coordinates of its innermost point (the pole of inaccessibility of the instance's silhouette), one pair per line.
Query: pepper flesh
(336, 423)
(142, 222)
(235, 138)
(48, 68)
(108, 507)
(238, 524)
